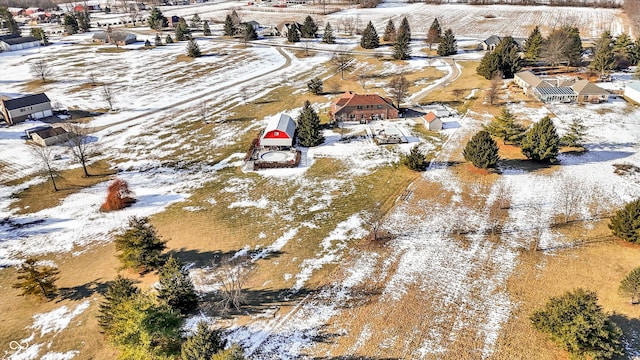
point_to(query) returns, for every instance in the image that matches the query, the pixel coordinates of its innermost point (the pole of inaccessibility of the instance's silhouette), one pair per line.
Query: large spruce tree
(541, 141)
(481, 151)
(193, 50)
(70, 24)
(206, 30)
(415, 160)
(505, 127)
(434, 34)
(404, 26)
(401, 49)
(249, 33)
(533, 46)
(630, 286)
(34, 279)
(229, 26)
(139, 247)
(176, 288)
(182, 30)
(10, 23)
(370, 39)
(625, 224)
(309, 29)
(293, 35)
(448, 44)
(202, 344)
(603, 60)
(504, 59)
(156, 20)
(389, 32)
(327, 36)
(309, 131)
(575, 137)
(118, 291)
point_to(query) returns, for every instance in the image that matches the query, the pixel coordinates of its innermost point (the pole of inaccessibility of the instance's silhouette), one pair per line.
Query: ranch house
(363, 108)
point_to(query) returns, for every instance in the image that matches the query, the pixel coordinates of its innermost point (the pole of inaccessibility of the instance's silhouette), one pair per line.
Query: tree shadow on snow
(630, 328)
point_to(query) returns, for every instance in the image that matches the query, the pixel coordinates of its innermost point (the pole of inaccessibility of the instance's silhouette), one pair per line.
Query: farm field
(443, 285)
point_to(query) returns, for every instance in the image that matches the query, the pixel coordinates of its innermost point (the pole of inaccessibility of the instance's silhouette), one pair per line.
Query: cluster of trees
(78, 21)
(233, 26)
(614, 53)
(503, 61)
(400, 37)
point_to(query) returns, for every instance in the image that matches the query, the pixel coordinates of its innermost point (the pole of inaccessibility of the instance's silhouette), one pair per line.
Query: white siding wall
(632, 94)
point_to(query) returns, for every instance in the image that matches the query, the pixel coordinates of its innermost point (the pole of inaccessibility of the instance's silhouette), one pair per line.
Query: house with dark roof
(114, 37)
(50, 136)
(280, 132)
(284, 27)
(363, 108)
(14, 42)
(492, 41)
(36, 106)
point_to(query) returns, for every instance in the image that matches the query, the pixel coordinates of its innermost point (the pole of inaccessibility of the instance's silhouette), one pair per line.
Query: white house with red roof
(363, 108)
(280, 132)
(432, 121)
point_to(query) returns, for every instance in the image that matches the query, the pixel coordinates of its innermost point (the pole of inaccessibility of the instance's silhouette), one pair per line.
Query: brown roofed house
(432, 121)
(50, 136)
(363, 108)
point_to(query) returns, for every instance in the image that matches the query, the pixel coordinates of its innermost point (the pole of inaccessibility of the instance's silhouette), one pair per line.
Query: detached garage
(35, 106)
(632, 91)
(280, 132)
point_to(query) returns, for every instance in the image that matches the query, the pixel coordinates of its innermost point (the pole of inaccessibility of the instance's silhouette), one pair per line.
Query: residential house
(36, 106)
(432, 121)
(552, 94)
(114, 37)
(353, 107)
(632, 91)
(173, 20)
(254, 24)
(14, 42)
(590, 92)
(560, 89)
(490, 43)
(280, 132)
(528, 81)
(33, 10)
(50, 136)
(284, 27)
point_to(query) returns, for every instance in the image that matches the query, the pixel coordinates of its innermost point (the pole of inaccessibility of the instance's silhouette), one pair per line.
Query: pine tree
(505, 58)
(541, 141)
(195, 21)
(309, 28)
(309, 131)
(156, 20)
(249, 33)
(328, 37)
(370, 39)
(293, 35)
(232, 353)
(434, 34)
(389, 32)
(415, 160)
(574, 52)
(193, 50)
(603, 60)
(505, 127)
(404, 26)
(84, 20)
(533, 46)
(203, 344)
(157, 41)
(9, 22)
(168, 39)
(625, 224)
(229, 26)
(481, 151)
(448, 44)
(139, 246)
(578, 324)
(147, 43)
(630, 286)
(176, 288)
(315, 86)
(119, 290)
(34, 279)
(39, 34)
(401, 49)
(182, 30)
(576, 134)
(70, 24)
(206, 31)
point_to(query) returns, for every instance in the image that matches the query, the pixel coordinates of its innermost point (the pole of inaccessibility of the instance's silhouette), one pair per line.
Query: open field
(455, 277)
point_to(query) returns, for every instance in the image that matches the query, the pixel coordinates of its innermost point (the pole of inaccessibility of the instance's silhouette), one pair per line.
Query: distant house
(14, 42)
(173, 20)
(527, 81)
(280, 132)
(115, 37)
(363, 108)
(50, 136)
(33, 10)
(36, 106)
(16, 11)
(254, 24)
(590, 92)
(284, 27)
(632, 91)
(490, 43)
(432, 121)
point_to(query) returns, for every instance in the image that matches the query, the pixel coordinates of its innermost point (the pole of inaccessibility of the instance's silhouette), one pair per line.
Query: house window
(359, 107)
(276, 133)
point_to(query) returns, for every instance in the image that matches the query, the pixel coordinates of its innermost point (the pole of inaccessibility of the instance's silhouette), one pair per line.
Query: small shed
(280, 132)
(432, 121)
(632, 91)
(50, 136)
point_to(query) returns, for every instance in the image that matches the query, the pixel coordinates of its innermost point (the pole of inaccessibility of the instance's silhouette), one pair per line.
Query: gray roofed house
(590, 92)
(284, 27)
(36, 106)
(115, 37)
(50, 136)
(490, 43)
(13, 43)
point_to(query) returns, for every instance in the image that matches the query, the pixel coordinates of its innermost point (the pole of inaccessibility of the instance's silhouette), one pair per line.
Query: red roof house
(432, 121)
(280, 132)
(364, 108)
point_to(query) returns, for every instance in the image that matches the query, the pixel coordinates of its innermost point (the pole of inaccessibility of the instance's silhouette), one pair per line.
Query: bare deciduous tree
(494, 88)
(232, 275)
(45, 156)
(375, 222)
(41, 69)
(364, 75)
(108, 95)
(81, 145)
(342, 61)
(399, 89)
(570, 196)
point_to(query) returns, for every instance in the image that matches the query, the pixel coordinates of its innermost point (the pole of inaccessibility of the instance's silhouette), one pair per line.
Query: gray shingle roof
(20, 40)
(25, 101)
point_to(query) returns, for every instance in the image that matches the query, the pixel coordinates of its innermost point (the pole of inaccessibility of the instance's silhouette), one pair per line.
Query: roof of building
(555, 90)
(287, 24)
(634, 85)
(353, 99)
(20, 40)
(430, 117)
(283, 122)
(584, 87)
(115, 36)
(28, 100)
(529, 78)
(50, 132)
(492, 40)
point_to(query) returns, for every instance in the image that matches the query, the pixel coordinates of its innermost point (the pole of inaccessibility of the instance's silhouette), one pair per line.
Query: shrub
(481, 151)
(415, 160)
(34, 279)
(203, 344)
(118, 196)
(625, 224)
(630, 286)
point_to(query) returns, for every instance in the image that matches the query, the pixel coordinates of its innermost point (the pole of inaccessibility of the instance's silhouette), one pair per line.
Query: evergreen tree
(84, 20)
(156, 20)
(625, 224)
(635, 54)
(168, 39)
(176, 288)
(229, 26)
(119, 290)
(39, 34)
(578, 324)
(206, 31)
(315, 86)
(434, 34)
(203, 344)
(139, 246)
(147, 43)
(481, 151)
(293, 35)
(70, 24)
(576, 134)
(309, 131)
(415, 160)
(505, 58)
(193, 50)
(309, 28)
(157, 41)
(401, 49)
(541, 141)
(505, 127)
(623, 50)
(328, 37)
(533, 46)
(195, 21)
(630, 286)
(182, 30)
(574, 52)
(233, 353)
(404, 26)
(370, 39)
(389, 32)
(34, 279)
(249, 33)
(10, 23)
(448, 44)
(603, 60)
